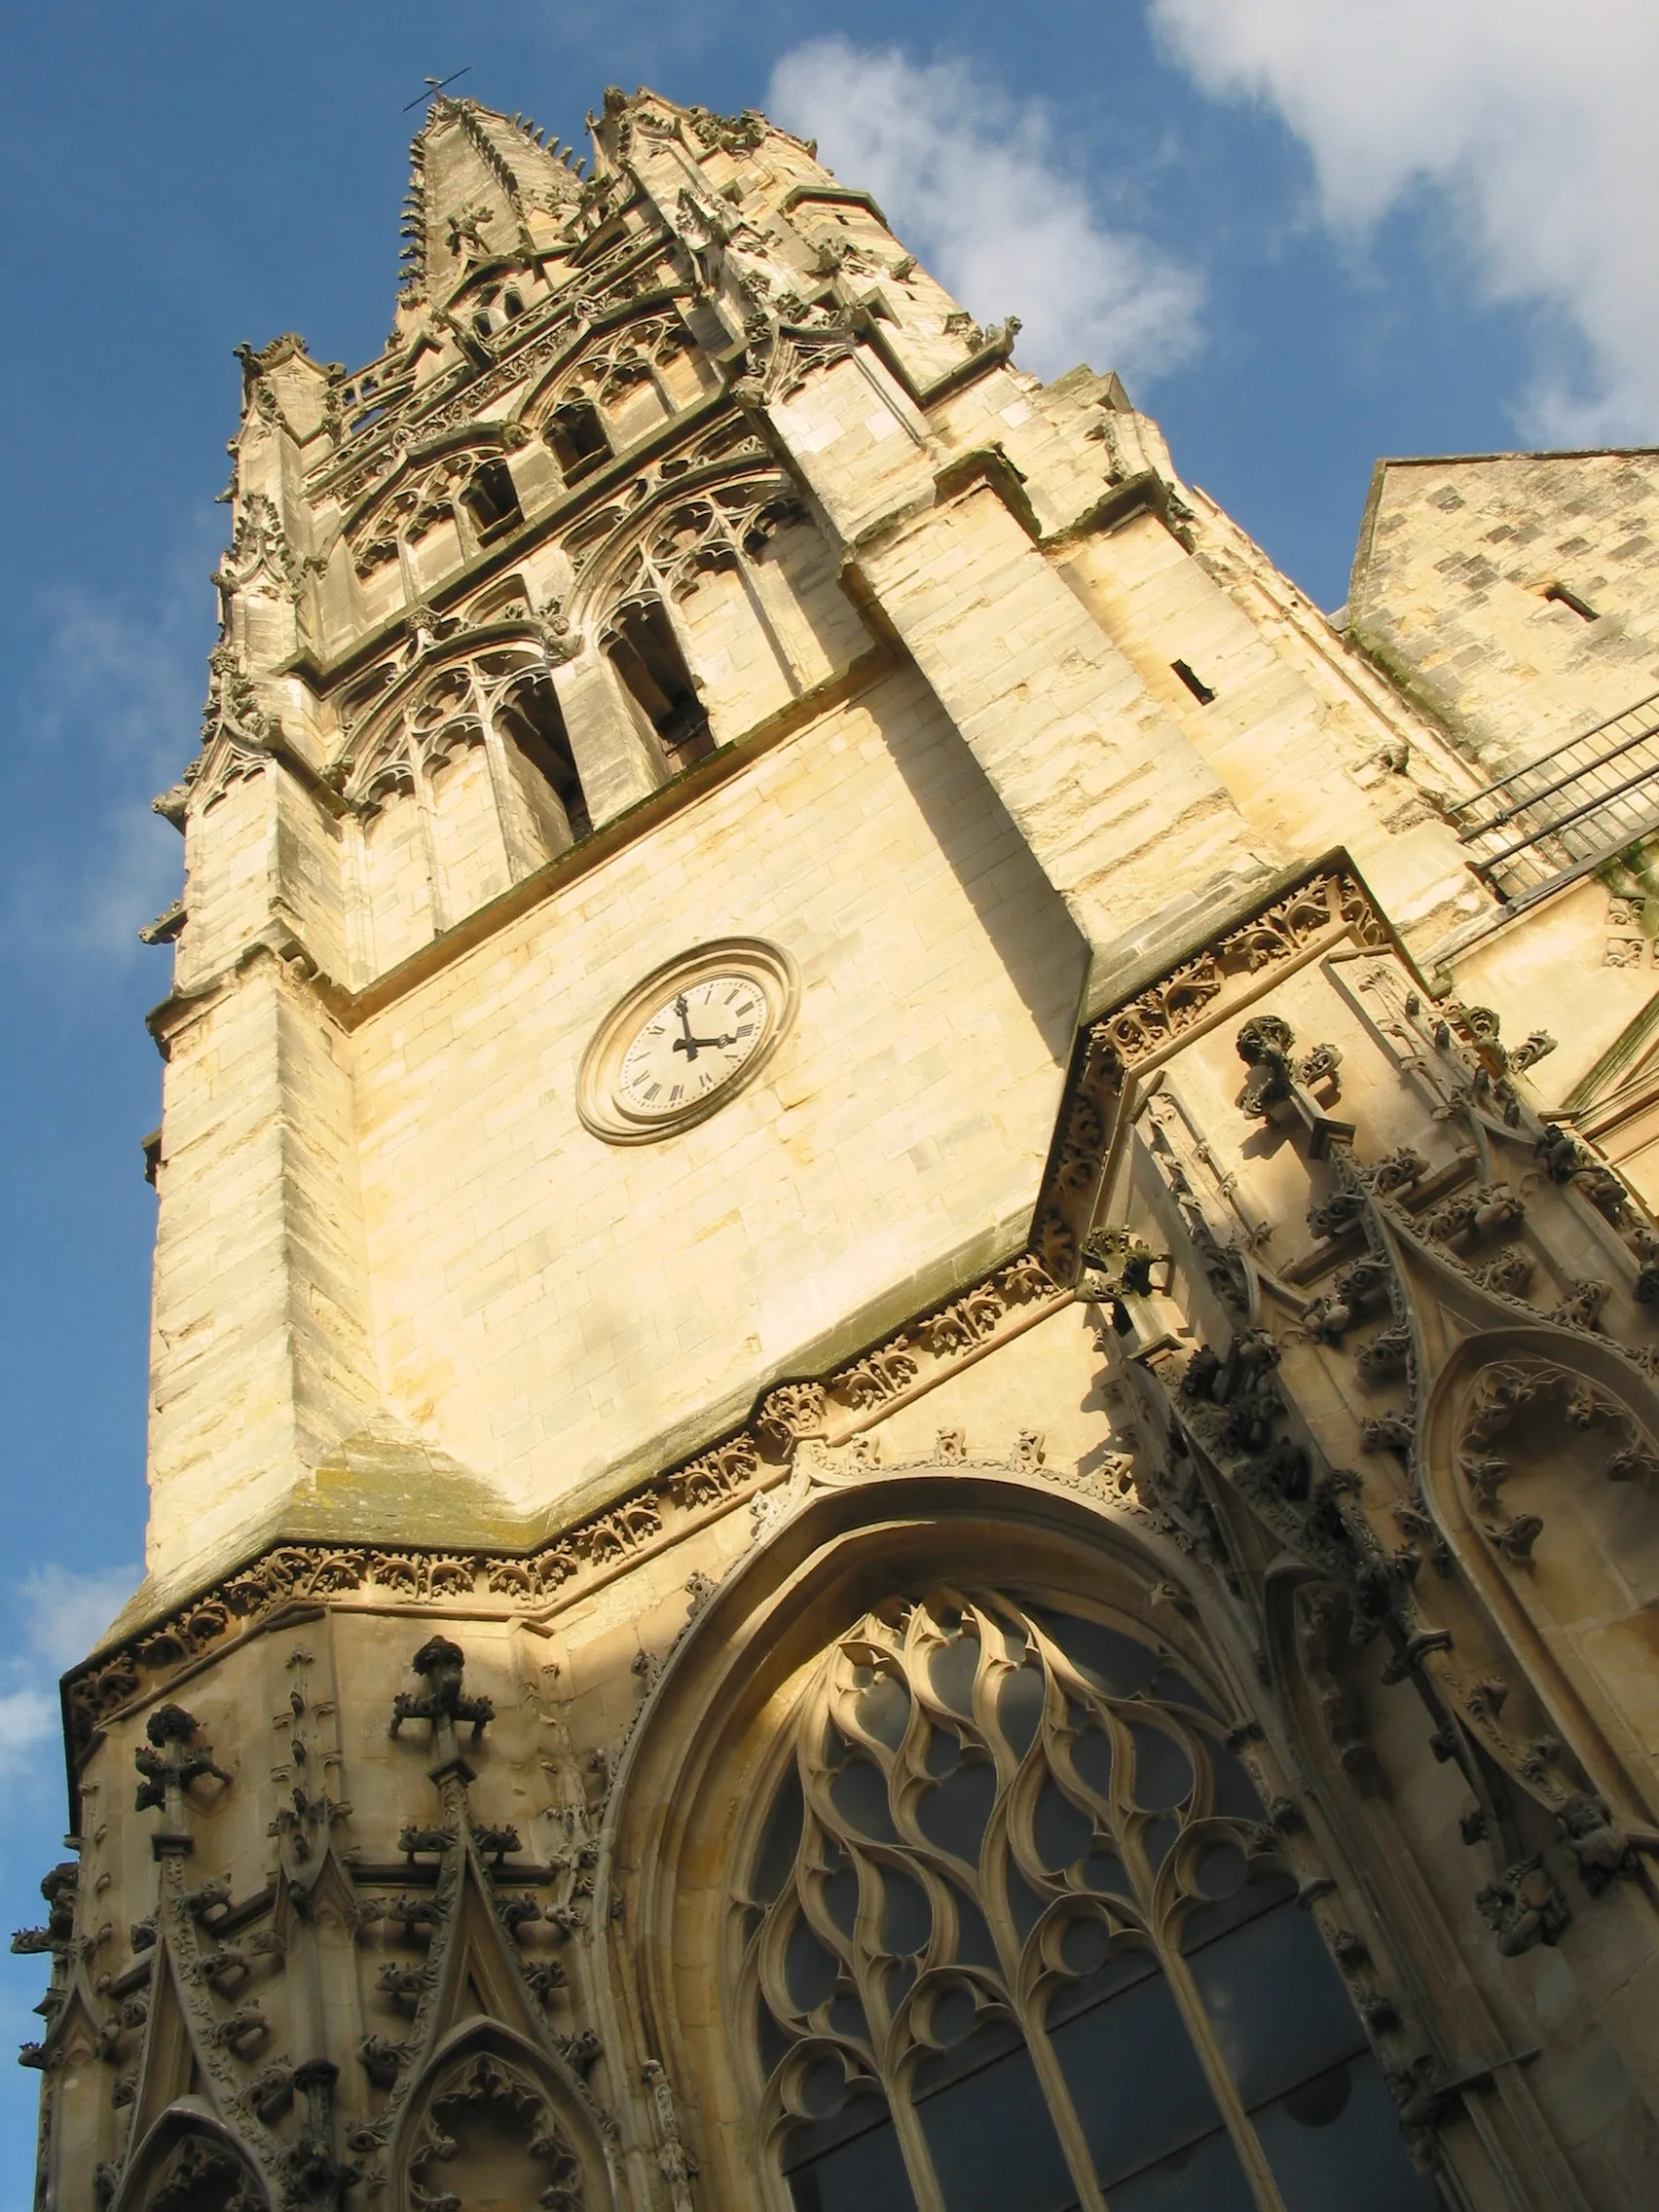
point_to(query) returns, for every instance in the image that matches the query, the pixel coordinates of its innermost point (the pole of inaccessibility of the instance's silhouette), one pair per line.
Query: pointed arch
(479, 2042)
(767, 1823)
(190, 2161)
(491, 2103)
(1540, 1457)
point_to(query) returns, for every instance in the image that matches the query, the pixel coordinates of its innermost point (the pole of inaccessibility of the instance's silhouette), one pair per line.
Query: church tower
(904, 1445)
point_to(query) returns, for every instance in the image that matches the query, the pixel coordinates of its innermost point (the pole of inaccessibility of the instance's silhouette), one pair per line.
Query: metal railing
(1574, 806)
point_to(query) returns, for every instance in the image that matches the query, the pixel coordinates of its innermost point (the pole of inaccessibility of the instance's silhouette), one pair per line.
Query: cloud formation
(61, 1616)
(976, 184)
(64, 1613)
(1532, 124)
(119, 683)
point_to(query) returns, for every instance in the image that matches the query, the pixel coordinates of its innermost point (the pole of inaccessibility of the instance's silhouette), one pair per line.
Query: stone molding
(1328, 905)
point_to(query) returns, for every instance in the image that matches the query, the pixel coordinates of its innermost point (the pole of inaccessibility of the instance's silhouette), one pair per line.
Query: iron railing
(1574, 806)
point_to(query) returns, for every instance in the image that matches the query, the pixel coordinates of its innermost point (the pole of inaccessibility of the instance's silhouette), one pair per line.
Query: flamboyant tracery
(1018, 1931)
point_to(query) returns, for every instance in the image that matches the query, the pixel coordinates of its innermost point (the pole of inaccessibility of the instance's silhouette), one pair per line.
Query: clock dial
(692, 1045)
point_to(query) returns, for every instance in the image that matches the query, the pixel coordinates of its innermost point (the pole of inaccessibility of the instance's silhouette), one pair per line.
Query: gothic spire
(484, 188)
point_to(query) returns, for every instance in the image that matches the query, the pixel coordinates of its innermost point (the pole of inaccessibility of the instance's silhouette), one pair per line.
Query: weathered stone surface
(1130, 1379)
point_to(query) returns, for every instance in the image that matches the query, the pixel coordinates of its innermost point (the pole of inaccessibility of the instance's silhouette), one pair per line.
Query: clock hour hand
(712, 1044)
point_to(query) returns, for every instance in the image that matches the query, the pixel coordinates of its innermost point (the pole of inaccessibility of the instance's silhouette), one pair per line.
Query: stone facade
(1040, 1595)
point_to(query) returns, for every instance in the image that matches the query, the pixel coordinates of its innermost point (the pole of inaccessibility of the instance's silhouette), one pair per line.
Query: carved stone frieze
(1326, 906)
(847, 1398)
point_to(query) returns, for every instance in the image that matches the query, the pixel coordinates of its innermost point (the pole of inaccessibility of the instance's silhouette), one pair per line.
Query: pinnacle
(484, 188)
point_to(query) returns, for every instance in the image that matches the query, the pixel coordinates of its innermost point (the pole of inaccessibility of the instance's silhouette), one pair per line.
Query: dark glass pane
(1062, 1831)
(782, 1840)
(1113, 1663)
(1279, 2006)
(862, 2172)
(1164, 1773)
(1236, 1797)
(823, 2087)
(841, 1898)
(1105, 1871)
(1092, 1756)
(954, 1814)
(1221, 1871)
(992, 2141)
(1133, 2075)
(1084, 1943)
(1019, 1708)
(900, 1979)
(906, 1917)
(951, 2018)
(1157, 1838)
(1171, 1687)
(976, 1946)
(942, 1755)
(951, 1670)
(809, 1969)
(884, 1710)
(859, 1792)
(1132, 1963)
(1336, 2140)
(1202, 2177)
(847, 2015)
(1255, 1897)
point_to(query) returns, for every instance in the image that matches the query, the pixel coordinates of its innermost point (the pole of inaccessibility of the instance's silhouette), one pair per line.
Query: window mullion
(1066, 2122)
(1197, 2019)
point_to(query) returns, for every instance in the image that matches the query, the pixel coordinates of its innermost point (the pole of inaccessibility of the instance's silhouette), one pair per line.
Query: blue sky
(1308, 231)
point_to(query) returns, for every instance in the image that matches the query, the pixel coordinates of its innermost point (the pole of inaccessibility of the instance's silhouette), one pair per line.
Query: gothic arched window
(1016, 1935)
(646, 654)
(577, 438)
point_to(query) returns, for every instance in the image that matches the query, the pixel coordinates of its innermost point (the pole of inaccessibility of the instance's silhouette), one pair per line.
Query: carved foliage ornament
(1169, 1008)
(493, 2110)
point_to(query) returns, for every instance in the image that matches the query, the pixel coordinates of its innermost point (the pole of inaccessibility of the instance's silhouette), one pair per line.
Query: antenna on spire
(434, 86)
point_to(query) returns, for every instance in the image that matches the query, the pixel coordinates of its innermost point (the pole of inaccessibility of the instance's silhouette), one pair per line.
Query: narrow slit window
(491, 502)
(530, 722)
(1559, 596)
(647, 655)
(576, 436)
(513, 303)
(1195, 682)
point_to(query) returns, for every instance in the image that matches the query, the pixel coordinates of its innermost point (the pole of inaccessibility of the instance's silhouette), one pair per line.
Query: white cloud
(1532, 123)
(28, 1724)
(978, 187)
(66, 1613)
(108, 716)
(61, 1616)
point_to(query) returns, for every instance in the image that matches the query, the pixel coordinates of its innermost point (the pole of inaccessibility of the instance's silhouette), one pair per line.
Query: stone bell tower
(896, 1457)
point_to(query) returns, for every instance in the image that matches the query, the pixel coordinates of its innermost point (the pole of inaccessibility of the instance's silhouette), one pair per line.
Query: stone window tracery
(1015, 1934)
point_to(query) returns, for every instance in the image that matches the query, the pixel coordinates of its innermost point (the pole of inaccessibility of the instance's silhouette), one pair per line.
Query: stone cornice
(1208, 984)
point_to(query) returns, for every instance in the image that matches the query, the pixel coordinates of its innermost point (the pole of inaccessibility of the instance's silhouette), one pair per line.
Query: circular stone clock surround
(686, 1038)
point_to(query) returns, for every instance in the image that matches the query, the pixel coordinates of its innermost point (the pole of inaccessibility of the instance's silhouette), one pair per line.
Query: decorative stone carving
(442, 1663)
(1524, 1907)
(169, 1763)
(486, 2093)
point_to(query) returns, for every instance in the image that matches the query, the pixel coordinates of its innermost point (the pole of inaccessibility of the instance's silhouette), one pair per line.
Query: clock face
(693, 1044)
(686, 1039)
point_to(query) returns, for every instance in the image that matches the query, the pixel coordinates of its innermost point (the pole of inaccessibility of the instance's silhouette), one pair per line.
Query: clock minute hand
(687, 1044)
